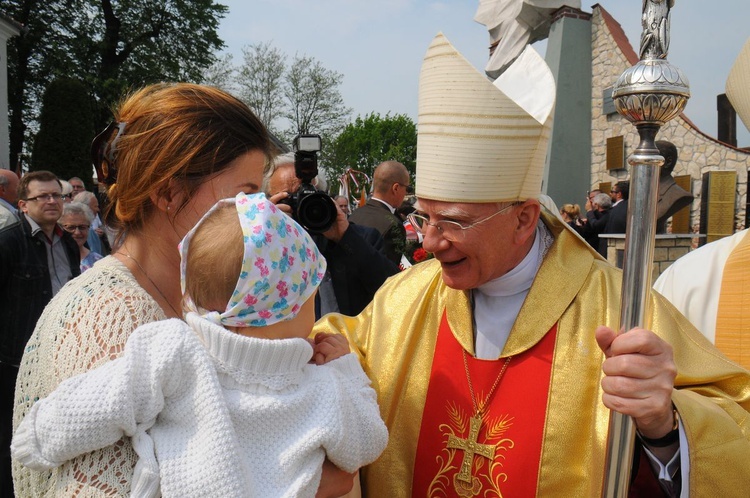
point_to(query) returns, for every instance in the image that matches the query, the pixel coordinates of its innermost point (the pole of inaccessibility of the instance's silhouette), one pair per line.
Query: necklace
(127, 255)
(470, 445)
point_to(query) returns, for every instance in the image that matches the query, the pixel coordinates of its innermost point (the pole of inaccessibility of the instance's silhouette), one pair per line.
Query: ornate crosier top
(655, 35)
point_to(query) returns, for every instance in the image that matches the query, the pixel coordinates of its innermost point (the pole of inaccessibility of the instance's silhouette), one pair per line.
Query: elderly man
(496, 363)
(343, 202)
(97, 240)
(78, 185)
(357, 266)
(8, 198)
(596, 222)
(37, 258)
(390, 184)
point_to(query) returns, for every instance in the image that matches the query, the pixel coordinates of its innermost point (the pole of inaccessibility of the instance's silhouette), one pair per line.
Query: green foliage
(302, 97)
(66, 128)
(314, 102)
(221, 74)
(368, 141)
(112, 46)
(260, 79)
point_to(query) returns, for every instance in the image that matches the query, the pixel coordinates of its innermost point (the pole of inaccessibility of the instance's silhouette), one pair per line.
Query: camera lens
(316, 212)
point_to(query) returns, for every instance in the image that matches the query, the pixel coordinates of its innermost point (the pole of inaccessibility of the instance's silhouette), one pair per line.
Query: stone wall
(667, 248)
(698, 152)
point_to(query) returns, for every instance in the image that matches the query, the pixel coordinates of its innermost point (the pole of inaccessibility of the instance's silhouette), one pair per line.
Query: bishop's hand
(639, 374)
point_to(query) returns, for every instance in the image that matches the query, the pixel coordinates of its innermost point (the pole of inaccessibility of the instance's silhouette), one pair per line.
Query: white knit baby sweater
(226, 415)
(84, 326)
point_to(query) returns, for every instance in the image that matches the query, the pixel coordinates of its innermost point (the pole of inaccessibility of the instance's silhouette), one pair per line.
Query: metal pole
(648, 94)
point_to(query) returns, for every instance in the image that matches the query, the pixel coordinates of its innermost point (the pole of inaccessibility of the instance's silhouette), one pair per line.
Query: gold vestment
(395, 338)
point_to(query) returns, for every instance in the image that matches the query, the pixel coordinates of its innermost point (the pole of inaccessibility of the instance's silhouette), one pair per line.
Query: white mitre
(738, 84)
(478, 141)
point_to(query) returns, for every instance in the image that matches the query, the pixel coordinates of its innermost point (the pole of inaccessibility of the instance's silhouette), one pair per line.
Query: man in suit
(357, 266)
(37, 257)
(8, 197)
(596, 221)
(391, 183)
(591, 215)
(618, 215)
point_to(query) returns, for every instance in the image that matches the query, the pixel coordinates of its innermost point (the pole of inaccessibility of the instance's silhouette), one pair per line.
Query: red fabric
(644, 483)
(514, 424)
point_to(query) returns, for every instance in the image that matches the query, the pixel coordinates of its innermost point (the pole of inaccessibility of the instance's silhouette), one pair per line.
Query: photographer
(357, 267)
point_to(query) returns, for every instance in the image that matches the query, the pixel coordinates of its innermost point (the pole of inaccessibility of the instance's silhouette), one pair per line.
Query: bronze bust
(672, 197)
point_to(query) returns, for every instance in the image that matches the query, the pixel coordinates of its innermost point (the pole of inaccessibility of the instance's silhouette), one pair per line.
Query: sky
(379, 45)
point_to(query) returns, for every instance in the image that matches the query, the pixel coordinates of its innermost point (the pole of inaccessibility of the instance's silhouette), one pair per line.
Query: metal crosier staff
(648, 95)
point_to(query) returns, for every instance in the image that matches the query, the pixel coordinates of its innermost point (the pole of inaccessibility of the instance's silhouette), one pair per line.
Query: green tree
(66, 128)
(31, 59)
(313, 101)
(221, 74)
(368, 141)
(303, 97)
(260, 80)
(111, 46)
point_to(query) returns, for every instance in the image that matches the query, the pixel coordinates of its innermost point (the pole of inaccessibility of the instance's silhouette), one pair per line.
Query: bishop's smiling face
(482, 253)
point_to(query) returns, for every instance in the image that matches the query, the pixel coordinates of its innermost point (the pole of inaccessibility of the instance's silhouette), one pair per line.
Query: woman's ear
(166, 196)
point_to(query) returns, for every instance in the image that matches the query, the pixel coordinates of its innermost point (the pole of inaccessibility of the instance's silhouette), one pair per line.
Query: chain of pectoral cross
(470, 445)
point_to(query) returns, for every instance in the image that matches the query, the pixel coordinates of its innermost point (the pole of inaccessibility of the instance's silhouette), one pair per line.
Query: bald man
(391, 183)
(8, 198)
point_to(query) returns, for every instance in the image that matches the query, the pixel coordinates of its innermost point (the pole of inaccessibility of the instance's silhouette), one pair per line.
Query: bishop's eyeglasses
(452, 231)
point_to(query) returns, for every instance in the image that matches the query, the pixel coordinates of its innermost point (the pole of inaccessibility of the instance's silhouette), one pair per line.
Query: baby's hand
(327, 347)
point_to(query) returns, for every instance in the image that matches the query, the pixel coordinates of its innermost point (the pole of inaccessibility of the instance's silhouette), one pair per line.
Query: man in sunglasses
(390, 184)
(37, 257)
(497, 363)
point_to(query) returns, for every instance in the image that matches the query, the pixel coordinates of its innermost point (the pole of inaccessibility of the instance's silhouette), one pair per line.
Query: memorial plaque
(717, 204)
(616, 152)
(605, 187)
(681, 219)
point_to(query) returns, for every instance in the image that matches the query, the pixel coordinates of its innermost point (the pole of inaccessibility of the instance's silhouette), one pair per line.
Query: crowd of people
(170, 347)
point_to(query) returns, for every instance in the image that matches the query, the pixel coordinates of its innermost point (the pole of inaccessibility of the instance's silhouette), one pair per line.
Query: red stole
(511, 431)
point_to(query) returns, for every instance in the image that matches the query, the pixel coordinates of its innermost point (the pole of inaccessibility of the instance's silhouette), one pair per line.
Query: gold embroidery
(471, 447)
(484, 479)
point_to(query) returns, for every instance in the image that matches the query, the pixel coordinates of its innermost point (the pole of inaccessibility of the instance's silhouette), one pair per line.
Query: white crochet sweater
(84, 326)
(238, 417)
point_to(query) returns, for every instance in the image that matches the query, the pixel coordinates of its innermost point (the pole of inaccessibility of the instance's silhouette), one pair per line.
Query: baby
(235, 401)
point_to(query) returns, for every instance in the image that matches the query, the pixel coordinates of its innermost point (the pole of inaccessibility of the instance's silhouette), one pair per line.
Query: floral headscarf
(281, 266)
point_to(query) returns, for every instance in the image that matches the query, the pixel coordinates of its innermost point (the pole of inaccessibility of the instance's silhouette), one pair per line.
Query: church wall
(698, 152)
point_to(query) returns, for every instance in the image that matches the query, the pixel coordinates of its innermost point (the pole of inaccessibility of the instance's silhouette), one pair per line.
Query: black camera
(312, 208)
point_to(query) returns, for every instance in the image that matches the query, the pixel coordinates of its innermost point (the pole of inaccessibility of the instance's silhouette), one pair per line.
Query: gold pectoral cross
(471, 447)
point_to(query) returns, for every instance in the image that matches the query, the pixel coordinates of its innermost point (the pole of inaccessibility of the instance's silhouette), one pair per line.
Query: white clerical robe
(693, 282)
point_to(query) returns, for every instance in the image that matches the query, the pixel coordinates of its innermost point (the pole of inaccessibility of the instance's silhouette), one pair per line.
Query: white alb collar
(519, 279)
